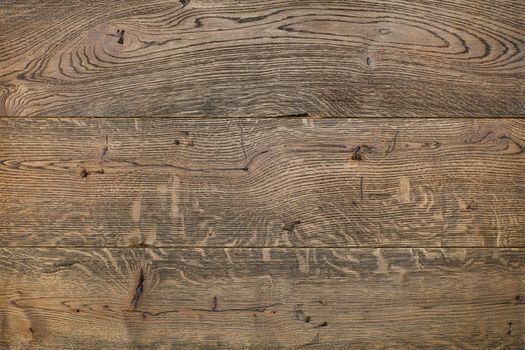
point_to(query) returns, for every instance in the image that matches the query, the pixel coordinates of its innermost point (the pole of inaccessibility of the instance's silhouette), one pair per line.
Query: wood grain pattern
(262, 182)
(300, 174)
(262, 58)
(263, 298)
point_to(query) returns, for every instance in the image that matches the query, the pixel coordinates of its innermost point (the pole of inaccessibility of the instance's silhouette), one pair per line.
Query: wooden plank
(268, 298)
(255, 58)
(262, 182)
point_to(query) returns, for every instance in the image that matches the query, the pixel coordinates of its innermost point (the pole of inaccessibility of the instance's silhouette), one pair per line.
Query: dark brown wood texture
(262, 298)
(257, 58)
(262, 182)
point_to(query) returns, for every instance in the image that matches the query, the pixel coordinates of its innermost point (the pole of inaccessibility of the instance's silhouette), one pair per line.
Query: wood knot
(120, 33)
(291, 226)
(299, 314)
(358, 154)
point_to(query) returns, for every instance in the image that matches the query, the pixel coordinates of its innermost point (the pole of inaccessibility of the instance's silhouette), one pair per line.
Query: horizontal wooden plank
(268, 298)
(255, 58)
(262, 182)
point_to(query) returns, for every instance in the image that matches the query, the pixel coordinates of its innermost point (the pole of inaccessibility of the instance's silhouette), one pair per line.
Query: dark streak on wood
(214, 308)
(105, 149)
(138, 290)
(320, 325)
(84, 173)
(392, 146)
(64, 264)
(120, 33)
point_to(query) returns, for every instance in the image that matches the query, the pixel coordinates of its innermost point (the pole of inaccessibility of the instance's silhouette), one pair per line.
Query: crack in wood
(139, 290)
(214, 308)
(200, 170)
(258, 309)
(324, 324)
(105, 149)
(299, 314)
(63, 264)
(392, 146)
(242, 144)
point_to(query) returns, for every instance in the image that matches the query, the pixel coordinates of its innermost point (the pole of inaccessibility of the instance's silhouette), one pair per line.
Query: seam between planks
(286, 117)
(257, 247)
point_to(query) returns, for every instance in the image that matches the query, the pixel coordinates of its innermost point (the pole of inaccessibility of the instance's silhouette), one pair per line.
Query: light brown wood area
(229, 58)
(262, 183)
(246, 174)
(263, 298)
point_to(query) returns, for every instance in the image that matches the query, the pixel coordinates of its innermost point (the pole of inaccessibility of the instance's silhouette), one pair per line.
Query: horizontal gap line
(291, 117)
(255, 247)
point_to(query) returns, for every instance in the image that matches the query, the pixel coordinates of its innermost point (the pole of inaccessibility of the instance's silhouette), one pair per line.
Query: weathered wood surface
(256, 215)
(262, 298)
(262, 58)
(262, 182)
